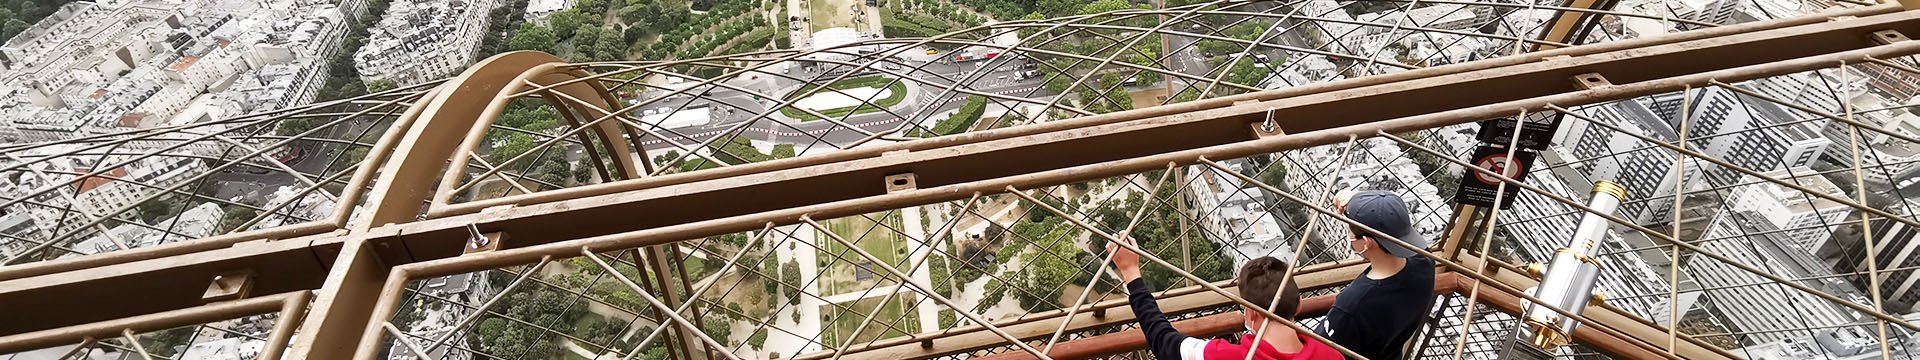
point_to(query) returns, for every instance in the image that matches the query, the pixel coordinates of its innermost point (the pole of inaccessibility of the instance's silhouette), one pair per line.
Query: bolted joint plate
(1590, 81)
(229, 286)
(484, 243)
(1888, 37)
(900, 182)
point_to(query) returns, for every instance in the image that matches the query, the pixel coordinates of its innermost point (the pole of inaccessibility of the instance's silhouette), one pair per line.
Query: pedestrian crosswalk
(926, 97)
(995, 81)
(929, 96)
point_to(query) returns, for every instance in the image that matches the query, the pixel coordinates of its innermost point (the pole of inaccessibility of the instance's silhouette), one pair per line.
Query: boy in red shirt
(1259, 280)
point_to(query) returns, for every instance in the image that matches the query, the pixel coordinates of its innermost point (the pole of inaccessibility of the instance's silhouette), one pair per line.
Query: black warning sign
(1535, 135)
(1478, 188)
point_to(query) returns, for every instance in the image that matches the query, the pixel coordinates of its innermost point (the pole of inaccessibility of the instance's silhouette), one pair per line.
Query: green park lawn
(880, 241)
(842, 322)
(897, 91)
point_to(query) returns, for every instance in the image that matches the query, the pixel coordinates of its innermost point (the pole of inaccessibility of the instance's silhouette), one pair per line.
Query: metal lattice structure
(861, 200)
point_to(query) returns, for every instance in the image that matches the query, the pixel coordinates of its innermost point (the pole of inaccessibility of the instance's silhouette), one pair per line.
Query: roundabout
(854, 96)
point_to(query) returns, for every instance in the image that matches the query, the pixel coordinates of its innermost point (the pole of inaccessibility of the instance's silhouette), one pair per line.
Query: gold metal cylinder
(1610, 188)
(1568, 282)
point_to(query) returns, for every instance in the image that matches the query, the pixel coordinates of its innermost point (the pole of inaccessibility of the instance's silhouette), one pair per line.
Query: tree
(166, 343)
(551, 172)
(231, 216)
(380, 85)
(637, 16)
(1104, 6)
(610, 47)
(582, 173)
(495, 335)
(153, 211)
(720, 331)
(6, 21)
(1056, 81)
(1038, 214)
(530, 115)
(1112, 79)
(1049, 267)
(1244, 72)
(507, 145)
(1027, 32)
(594, 6)
(995, 233)
(667, 159)
(1185, 95)
(31, 10)
(962, 119)
(1274, 174)
(531, 37)
(600, 330)
(737, 240)
(12, 27)
(634, 31)
(1218, 47)
(1118, 99)
(948, 319)
(790, 273)
(1159, 233)
(566, 22)
(656, 353)
(759, 339)
(353, 155)
(1058, 8)
(584, 38)
(293, 126)
(996, 290)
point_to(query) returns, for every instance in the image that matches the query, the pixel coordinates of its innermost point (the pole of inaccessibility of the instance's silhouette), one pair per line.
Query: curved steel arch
(406, 180)
(428, 137)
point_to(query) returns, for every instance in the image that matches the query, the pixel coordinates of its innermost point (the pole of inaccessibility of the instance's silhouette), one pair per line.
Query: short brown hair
(1259, 280)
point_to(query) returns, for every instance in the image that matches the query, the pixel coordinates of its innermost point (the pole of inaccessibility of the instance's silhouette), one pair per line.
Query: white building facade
(423, 40)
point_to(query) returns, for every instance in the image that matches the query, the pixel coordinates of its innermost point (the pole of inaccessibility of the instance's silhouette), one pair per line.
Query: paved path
(922, 245)
(796, 9)
(871, 24)
(863, 294)
(1005, 212)
(583, 352)
(782, 342)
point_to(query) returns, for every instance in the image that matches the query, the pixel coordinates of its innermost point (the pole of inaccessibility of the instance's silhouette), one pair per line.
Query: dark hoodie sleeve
(1161, 337)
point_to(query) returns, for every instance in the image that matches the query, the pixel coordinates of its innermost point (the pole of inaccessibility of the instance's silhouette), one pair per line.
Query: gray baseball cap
(1385, 211)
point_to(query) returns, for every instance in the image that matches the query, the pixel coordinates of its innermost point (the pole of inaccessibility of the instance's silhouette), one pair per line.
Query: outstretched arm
(1162, 339)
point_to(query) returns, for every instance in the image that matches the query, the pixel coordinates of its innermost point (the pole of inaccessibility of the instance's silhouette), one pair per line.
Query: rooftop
(184, 63)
